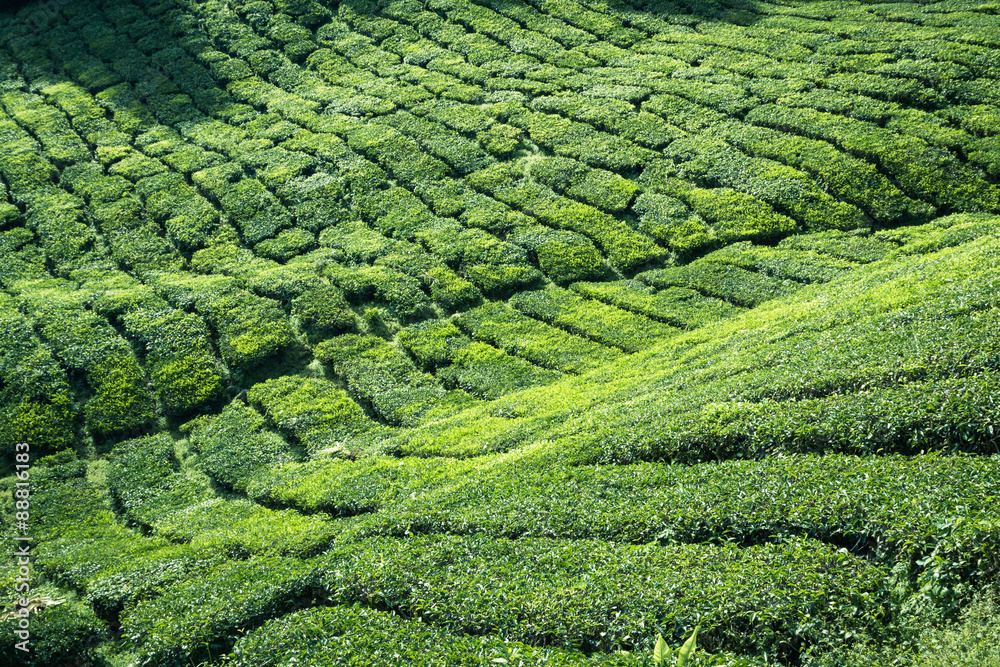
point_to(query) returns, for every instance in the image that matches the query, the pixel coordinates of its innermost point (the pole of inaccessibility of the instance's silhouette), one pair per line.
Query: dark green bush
(63, 634)
(564, 256)
(201, 618)
(357, 242)
(123, 585)
(234, 445)
(122, 403)
(250, 328)
(396, 211)
(841, 245)
(61, 225)
(257, 213)
(734, 216)
(714, 162)
(597, 596)
(240, 529)
(605, 190)
(669, 221)
(358, 635)
(926, 171)
(323, 311)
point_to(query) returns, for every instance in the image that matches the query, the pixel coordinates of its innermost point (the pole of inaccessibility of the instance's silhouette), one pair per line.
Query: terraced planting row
(453, 332)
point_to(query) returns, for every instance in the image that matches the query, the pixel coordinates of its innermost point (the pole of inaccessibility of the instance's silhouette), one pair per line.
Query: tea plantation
(500, 332)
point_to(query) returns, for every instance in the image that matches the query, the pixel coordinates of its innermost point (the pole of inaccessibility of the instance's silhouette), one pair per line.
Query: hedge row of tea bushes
(544, 345)
(677, 306)
(108, 570)
(358, 635)
(850, 501)
(893, 356)
(851, 179)
(149, 489)
(475, 585)
(386, 380)
(932, 175)
(175, 346)
(713, 162)
(249, 328)
(797, 265)
(411, 123)
(310, 412)
(624, 247)
(573, 594)
(353, 19)
(234, 445)
(605, 324)
(722, 281)
(85, 343)
(38, 404)
(214, 182)
(460, 362)
(181, 601)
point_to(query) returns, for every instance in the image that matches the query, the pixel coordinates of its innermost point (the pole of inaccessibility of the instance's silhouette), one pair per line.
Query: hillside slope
(451, 332)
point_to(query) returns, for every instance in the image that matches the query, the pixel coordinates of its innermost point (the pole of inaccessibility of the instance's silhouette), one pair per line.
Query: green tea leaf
(660, 651)
(687, 650)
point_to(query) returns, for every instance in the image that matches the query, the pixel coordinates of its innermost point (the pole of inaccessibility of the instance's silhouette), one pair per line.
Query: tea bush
(539, 343)
(605, 324)
(720, 280)
(85, 342)
(323, 311)
(489, 373)
(564, 256)
(312, 412)
(198, 617)
(35, 388)
(235, 444)
(357, 635)
(179, 357)
(384, 378)
(678, 306)
(473, 584)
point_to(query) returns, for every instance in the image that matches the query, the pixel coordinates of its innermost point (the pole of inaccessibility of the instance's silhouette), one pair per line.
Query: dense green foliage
(461, 332)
